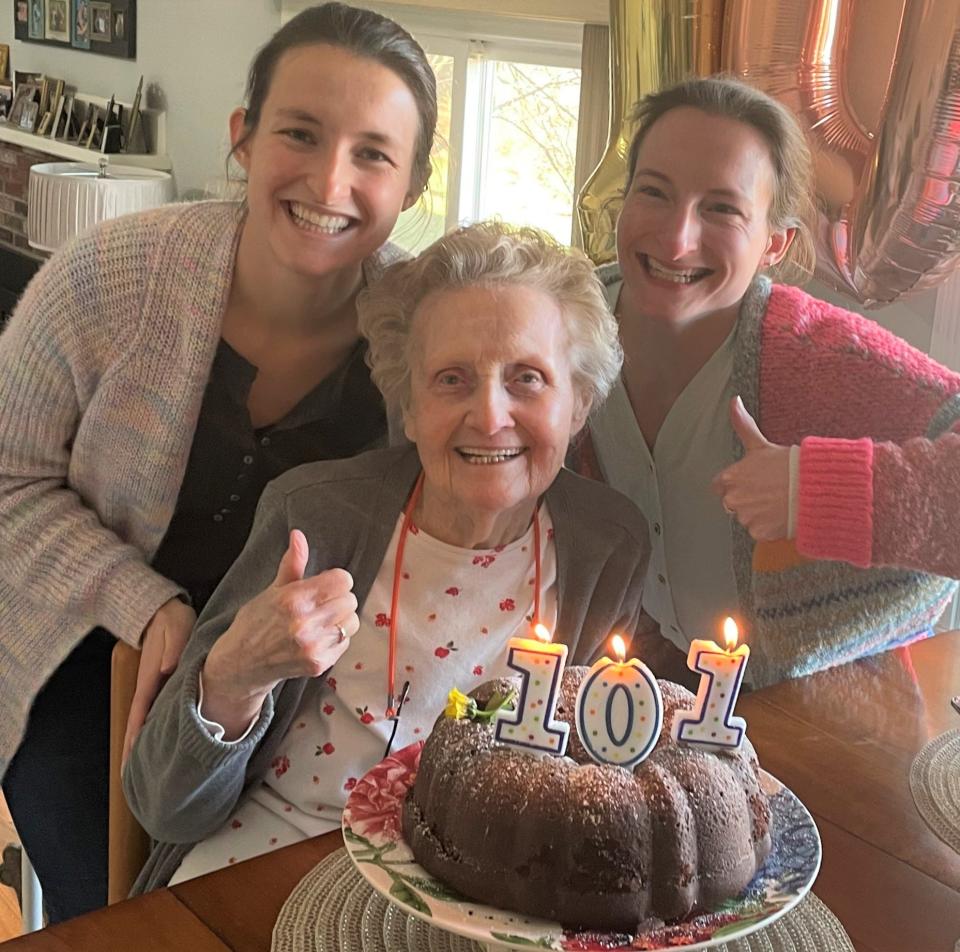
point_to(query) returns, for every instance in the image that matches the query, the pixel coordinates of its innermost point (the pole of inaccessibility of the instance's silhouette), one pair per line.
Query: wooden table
(842, 740)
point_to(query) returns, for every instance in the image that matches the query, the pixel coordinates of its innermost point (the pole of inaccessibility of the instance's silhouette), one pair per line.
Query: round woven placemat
(334, 909)
(809, 927)
(935, 784)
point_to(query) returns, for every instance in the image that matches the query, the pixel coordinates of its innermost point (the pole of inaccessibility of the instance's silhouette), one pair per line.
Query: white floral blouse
(458, 609)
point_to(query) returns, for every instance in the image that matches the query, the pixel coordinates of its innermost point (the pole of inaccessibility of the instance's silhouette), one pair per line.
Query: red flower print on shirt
(453, 590)
(408, 668)
(484, 561)
(432, 616)
(499, 548)
(406, 576)
(382, 620)
(365, 716)
(414, 529)
(301, 725)
(327, 748)
(350, 784)
(280, 765)
(328, 709)
(507, 605)
(358, 666)
(550, 533)
(236, 824)
(484, 630)
(443, 650)
(332, 684)
(478, 670)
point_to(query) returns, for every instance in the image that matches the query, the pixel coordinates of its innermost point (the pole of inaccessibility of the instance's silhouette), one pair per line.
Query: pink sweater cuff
(835, 517)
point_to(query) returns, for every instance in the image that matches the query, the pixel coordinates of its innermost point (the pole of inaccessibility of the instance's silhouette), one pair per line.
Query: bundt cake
(588, 845)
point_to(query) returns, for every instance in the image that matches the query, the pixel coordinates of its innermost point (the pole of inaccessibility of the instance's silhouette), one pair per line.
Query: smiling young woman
(157, 374)
(844, 499)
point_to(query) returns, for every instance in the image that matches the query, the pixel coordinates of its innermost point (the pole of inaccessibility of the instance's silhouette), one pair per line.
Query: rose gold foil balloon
(877, 85)
(653, 43)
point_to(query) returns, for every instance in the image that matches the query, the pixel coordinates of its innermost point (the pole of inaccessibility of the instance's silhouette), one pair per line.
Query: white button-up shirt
(690, 585)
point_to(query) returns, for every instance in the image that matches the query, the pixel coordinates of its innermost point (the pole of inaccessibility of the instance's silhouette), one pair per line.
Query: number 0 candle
(619, 709)
(532, 725)
(712, 724)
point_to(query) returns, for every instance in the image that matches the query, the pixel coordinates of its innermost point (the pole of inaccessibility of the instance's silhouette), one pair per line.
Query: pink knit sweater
(878, 536)
(880, 481)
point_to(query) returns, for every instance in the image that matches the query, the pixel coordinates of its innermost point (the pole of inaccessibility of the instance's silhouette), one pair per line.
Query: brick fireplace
(18, 261)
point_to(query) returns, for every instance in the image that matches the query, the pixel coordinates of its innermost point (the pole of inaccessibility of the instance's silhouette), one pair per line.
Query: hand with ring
(297, 627)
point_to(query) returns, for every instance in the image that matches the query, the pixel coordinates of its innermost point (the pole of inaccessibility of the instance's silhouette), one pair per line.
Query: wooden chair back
(129, 844)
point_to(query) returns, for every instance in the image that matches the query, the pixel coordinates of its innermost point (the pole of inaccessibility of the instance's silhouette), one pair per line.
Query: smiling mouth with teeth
(484, 457)
(674, 275)
(317, 222)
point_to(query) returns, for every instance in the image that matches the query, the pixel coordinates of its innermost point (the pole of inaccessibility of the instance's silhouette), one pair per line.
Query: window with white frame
(509, 95)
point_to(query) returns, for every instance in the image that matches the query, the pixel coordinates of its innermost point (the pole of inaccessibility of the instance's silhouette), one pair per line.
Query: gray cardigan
(182, 785)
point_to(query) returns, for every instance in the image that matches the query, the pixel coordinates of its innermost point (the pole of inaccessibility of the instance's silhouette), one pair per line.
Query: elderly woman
(413, 564)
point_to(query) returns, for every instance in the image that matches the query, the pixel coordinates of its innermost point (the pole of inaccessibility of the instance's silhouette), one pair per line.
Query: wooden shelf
(76, 153)
(154, 122)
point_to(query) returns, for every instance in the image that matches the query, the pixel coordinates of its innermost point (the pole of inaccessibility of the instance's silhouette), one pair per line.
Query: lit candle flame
(730, 634)
(619, 648)
(542, 633)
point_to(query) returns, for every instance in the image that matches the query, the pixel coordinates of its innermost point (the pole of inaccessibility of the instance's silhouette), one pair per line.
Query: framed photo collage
(97, 26)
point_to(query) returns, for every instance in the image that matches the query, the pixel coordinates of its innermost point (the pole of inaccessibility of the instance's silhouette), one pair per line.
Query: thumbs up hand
(756, 489)
(296, 627)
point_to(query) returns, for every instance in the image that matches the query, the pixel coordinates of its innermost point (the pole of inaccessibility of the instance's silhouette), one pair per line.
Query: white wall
(193, 55)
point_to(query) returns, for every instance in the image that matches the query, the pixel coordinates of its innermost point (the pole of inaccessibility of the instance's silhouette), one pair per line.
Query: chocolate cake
(588, 845)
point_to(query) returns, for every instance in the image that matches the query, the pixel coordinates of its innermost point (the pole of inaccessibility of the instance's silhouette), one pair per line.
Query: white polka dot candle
(531, 725)
(619, 709)
(711, 724)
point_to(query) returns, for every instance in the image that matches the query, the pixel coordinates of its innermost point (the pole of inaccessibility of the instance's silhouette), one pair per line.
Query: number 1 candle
(711, 724)
(532, 725)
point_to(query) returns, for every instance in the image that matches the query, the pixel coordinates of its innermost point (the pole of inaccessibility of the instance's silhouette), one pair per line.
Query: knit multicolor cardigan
(102, 372)
(878, 423)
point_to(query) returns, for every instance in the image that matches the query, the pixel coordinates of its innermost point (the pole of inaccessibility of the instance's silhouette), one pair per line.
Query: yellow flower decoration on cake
(458, 705)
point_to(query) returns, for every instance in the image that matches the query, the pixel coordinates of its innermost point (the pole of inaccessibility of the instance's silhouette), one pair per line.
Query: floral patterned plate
(373, 837)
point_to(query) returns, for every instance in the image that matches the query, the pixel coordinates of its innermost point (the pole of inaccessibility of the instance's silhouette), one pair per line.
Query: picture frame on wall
(57, 20)
(35, 31)
(101, 17)
(80, 25)
(108, 27)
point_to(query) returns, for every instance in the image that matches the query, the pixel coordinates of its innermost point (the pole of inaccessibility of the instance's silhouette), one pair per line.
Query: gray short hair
(492, 254)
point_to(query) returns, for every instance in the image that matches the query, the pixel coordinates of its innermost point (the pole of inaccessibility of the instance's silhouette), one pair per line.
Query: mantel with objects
(154, 123)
